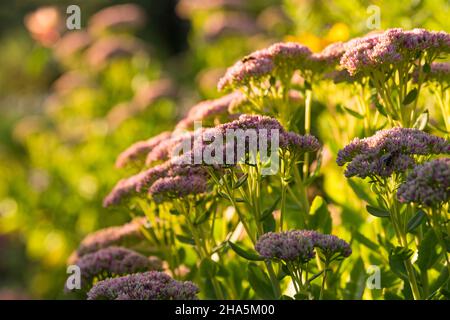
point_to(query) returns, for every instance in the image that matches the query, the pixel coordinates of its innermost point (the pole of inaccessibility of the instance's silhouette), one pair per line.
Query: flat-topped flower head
(375, 51)
(140, 149)
(112, 261)
(178, 143)
(208, 111)
(251, 67)
(389, 151)
(177, 187)
(288, 246)
(290, 53)
(299, 144)
(328, 58)
(428, 184)
(123, 189)
(332, 247)
(280, 59)
(152, 285)
(123, 235)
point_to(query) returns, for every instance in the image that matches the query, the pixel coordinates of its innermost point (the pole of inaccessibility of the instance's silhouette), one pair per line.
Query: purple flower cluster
(428, 184)
(299, 144)
(150, 285)
(261, 126)
(178, 187)
(207, 110)
(391, 47)
(113, 261)
(389, 151)
(176, 144)
(329, 57)
(331, 246)
(265, 62)
(287, 246)
(140, 182)
(140, 149)
(126, 234)
(298, 245)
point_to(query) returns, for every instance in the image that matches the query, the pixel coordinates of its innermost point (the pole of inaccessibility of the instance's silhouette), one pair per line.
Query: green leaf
(359, 191)
(376, 103)
(397, 256)
(245, 253)
(416, 221)
(377, 212)
(354, 288)
(208, 268)
(410, 97)
(365, 241)
(426, 68)
(185, 239)
(203, 217)
(353, 113)
(421, 121)
(320, 217)
(241, 181)
(268, 212)
(260, 282)
(441, 280)
(428, 254)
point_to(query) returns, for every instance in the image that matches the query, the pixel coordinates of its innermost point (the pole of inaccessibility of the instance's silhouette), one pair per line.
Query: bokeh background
(70, 101)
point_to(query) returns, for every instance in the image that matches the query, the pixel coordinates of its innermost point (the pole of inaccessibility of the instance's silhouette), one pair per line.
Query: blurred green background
(68, 108)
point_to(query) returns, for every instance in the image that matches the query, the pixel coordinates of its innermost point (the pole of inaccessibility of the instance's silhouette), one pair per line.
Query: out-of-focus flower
(124, 235)
(223, 24)
(150, 285)
(439, 73)
(151, 91)
(45, 25)
(428, 184)
(389, 151)
(118, 17)
(287, 246)
(71, 43)
(113, 261)
(145, 96)
(69, 81)
(186, 8)
(208, 110)
(112, 47)
(123, 189)
(139, 150)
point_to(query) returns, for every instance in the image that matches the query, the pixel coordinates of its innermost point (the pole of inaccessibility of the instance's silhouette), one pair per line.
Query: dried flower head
(389, 151)
(150, 285)
(428, 184)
